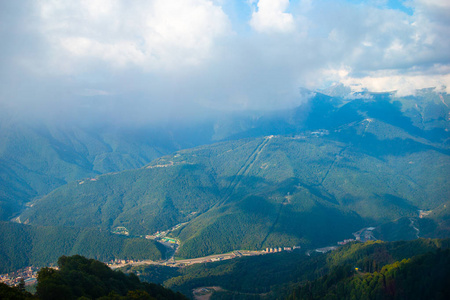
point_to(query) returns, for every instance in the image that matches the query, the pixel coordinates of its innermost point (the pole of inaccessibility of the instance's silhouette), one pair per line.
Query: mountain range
(308, 176)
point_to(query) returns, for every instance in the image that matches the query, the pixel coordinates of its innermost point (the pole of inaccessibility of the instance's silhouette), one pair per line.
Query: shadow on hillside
(371, 145)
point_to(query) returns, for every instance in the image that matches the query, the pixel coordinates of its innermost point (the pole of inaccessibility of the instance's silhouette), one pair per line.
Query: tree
(21, 285)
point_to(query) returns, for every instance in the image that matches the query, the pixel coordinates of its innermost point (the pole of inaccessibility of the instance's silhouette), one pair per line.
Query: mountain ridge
(241, 189)
(339, 166)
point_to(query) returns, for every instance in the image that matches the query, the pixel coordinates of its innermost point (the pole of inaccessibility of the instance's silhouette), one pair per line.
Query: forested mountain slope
(425, 276)
(37, 156)
(354, 164)
(275, 276)
(24, 245)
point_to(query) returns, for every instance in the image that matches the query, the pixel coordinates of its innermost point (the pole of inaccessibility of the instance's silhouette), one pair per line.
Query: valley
(269, 170)
(276, 274)
(358, 175)
(225, 150)
(171, 262)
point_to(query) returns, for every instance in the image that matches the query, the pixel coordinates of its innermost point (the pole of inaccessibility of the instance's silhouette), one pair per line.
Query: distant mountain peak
(337, 90)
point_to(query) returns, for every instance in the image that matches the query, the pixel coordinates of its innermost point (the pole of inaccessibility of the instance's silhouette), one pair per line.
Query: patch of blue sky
(401, 5)
(239, 12)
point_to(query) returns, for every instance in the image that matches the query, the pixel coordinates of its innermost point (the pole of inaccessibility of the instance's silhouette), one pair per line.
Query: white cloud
(93, 92)
(168, 55)
(388, 81)
(271, 16)
(156, 34)
(439, 4)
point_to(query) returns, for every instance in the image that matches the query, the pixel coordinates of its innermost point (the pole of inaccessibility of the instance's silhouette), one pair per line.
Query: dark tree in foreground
(14, 293)
(425, 276)
(79, 277)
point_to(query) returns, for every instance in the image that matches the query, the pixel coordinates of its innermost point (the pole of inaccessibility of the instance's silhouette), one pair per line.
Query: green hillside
(338, 166)
(38, 156)
(255, 193)
(24, 245)
(275, 276)
(425, 276)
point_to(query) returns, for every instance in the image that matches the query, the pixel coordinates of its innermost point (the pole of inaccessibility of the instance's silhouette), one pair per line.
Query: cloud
(382, 49)
(156, 59)
(392, 81)
(93, 92)
(271, 17)
(154, 35)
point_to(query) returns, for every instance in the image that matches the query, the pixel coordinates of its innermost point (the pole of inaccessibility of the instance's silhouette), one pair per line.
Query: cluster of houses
(320, 132)
(279, 249)
(27, 275)
(115, 262)
(121, 230)
(346, 241)
(162, 234)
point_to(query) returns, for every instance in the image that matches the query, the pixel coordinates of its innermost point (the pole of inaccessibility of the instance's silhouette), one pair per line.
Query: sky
(154, 59)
